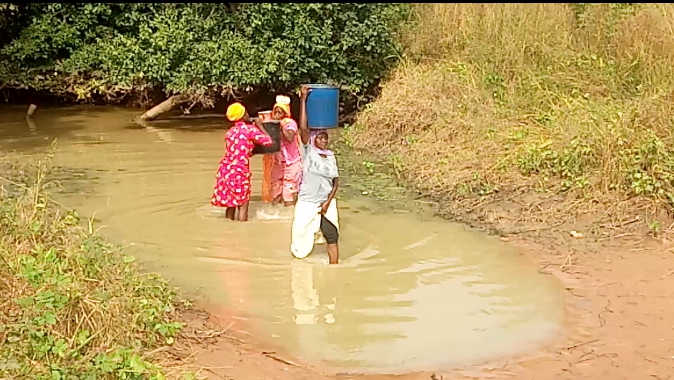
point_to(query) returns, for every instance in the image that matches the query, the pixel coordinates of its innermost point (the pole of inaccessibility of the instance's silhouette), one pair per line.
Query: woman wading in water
(316, 207)
(232, 185)
(287, 169)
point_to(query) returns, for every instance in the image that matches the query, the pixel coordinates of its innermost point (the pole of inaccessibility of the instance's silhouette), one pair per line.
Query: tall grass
(571, 99)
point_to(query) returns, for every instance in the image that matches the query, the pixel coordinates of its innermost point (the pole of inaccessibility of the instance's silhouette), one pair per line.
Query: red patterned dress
(232, 185)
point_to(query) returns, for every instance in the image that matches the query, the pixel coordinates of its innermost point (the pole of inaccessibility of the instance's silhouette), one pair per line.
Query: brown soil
(619, 303)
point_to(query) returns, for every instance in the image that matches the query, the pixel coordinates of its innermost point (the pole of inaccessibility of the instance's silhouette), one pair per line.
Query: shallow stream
(412, 292)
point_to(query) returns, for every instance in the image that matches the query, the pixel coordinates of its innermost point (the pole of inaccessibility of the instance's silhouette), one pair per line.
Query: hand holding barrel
(304, 91)
(322, 105)
(258, 123)
(304, 130)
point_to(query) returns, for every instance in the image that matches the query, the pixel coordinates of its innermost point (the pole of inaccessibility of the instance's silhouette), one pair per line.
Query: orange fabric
(267, 165)
(270, 184)
(267, 168)
(268, 160)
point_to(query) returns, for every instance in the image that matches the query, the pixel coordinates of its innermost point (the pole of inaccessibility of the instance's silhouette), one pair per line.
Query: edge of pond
(384, 186)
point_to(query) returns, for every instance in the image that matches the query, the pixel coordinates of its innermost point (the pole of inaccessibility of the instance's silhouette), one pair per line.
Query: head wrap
(313, 133)
(235, 112)
(283, 102)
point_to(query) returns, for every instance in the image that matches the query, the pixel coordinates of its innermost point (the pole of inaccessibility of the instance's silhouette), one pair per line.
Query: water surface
(411, 293)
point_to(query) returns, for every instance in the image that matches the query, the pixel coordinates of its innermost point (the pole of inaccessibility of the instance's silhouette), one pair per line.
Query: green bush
(198, 48)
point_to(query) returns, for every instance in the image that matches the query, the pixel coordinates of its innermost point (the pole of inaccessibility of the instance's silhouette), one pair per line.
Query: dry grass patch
(570, 101)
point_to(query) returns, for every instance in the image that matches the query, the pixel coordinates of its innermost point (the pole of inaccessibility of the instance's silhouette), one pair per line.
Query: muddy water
(411, 293)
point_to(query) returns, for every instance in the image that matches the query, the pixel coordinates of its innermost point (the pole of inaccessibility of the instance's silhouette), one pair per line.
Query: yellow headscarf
(283, 102)
(284, 107)
(235, 112)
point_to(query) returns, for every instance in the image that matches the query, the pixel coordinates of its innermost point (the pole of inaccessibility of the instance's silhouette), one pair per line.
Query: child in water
(233, 186)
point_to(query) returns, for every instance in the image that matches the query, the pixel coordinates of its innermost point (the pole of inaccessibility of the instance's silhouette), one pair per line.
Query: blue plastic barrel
(323, 106)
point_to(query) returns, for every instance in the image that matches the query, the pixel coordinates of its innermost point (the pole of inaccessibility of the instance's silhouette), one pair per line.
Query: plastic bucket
(323, 106)
(264, 116)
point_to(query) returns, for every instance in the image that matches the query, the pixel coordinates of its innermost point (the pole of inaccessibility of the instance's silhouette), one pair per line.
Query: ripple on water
(410, 293)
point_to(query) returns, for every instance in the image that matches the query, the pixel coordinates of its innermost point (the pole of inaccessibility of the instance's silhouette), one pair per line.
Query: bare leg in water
(331, 234)
(333, 253)
(243, 212)
(230, 212)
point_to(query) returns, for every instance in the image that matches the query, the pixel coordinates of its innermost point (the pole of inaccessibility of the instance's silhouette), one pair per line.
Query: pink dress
(287, 170)
(232, 185)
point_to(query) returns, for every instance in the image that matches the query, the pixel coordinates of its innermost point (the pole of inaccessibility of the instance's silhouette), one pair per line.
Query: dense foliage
(116, 49)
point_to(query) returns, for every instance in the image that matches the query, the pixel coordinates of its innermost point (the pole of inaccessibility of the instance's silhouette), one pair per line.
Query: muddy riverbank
(619, 288)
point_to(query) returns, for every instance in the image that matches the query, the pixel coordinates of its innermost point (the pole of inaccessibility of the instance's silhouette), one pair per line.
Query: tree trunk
(163, 107)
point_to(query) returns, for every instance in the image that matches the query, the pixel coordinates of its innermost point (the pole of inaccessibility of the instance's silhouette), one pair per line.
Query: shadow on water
(411, 292)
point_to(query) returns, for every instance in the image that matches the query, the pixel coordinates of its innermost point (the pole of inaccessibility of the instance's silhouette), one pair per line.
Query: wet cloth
(286, 172)
(329, 231)
(315, 189)
(317, 175)
(287, 169)
(268, 162)
(286, 180)
(232, 186)
(306, 223)
(290, 150)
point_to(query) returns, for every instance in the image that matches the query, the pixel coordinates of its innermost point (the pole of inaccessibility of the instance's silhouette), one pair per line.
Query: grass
(72, 306)
(573, 102)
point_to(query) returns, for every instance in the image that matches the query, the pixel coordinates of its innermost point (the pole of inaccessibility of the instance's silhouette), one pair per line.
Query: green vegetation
(111, 50)
(571, 101)
(74, 307)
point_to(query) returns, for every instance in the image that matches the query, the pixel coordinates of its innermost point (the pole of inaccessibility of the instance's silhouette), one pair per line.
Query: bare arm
(259, 135)
(304, 129)
(258, 123)
(326, 204)
(335, 185)
(288, 134)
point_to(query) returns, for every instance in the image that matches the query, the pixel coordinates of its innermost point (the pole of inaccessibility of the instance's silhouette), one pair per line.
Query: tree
(198, 51)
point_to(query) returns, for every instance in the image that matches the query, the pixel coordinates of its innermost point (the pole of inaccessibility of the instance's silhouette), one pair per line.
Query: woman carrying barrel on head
(316, 207)
(232, 185)
(287, 169)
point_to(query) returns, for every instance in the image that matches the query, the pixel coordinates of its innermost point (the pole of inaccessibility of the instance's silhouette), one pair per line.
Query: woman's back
(240, 141)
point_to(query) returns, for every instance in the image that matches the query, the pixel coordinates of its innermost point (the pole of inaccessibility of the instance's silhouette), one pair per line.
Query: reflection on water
(411, 293)
(305, 296)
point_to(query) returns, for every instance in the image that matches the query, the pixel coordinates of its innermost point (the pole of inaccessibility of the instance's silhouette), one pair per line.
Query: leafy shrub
(71, 305)
(200, 48)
